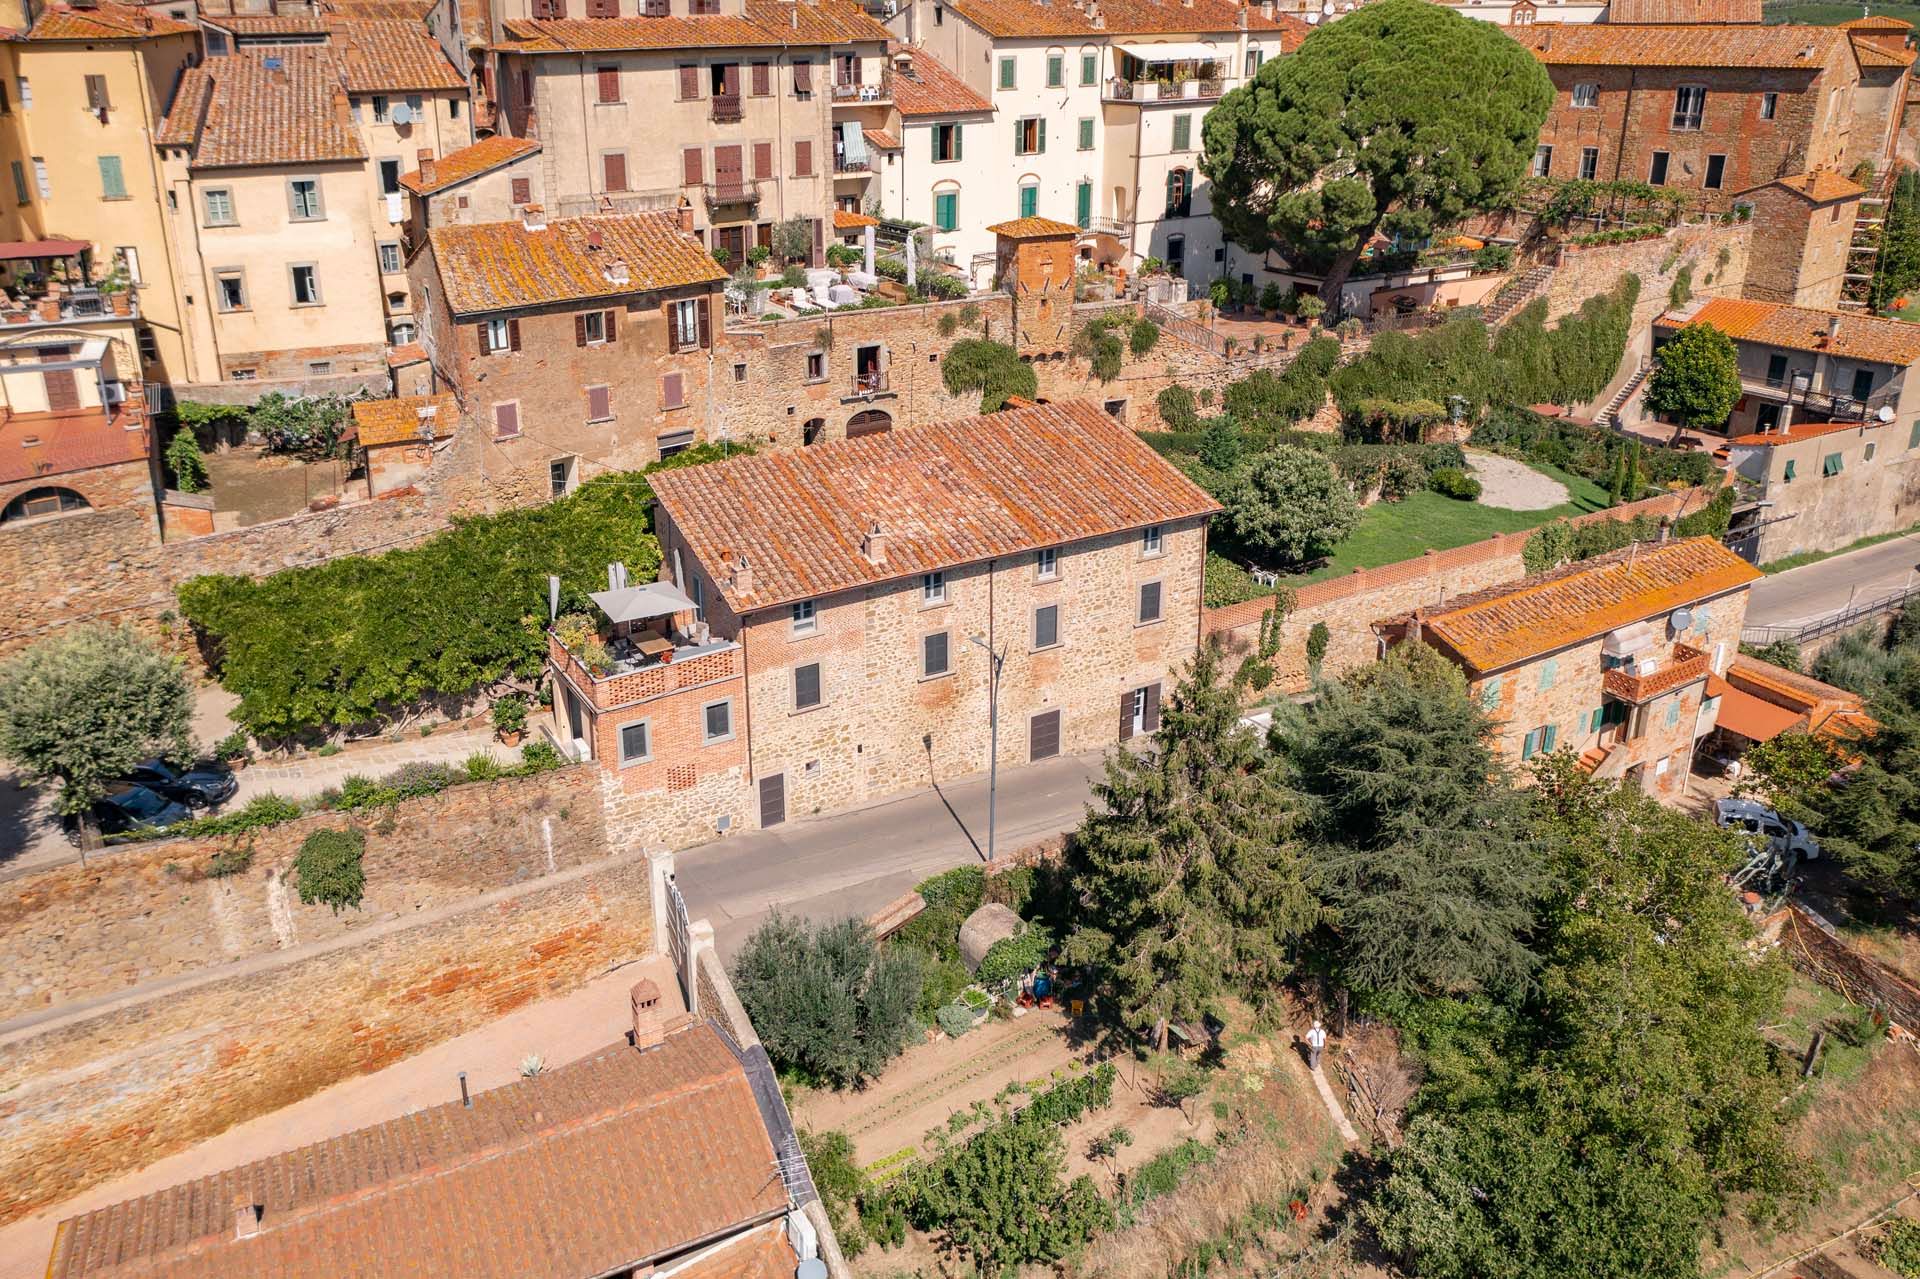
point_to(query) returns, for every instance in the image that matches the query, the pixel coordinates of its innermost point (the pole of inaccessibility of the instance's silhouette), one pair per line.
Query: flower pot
(238, 763)
(510, 738)
(666, 657)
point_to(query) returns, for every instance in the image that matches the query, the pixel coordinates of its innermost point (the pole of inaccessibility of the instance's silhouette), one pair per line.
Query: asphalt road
(1805, 594)
(854, 862)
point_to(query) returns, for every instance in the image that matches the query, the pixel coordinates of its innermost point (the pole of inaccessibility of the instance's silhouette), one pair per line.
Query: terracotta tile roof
(1013, 18)
(1874, 22)
(400, 10)
(760, 1253)
(483, 156)
(981, 487)
(256, 115)
(1874, 55)
(1033, 228)
(1537, 615)
(845, 221)
(1800, 431)
(924, 86)
(1857, 337)
(599, 1166)
(765, 24)
(378, 422)
(1820, 707)
(497, 266)
(65, 442)
(1600, 44)
(1820, 186)
(268, 24)
(107, 21)
(377, 55)
(398, 357)
(881, 139)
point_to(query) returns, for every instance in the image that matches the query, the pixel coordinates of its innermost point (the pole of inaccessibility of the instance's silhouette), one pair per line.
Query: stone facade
(1583, 272)
(1799, 253)
(1872, 485)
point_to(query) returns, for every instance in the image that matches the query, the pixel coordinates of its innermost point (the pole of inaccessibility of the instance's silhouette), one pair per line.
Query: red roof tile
(924, 87)
(599, 1166)
(1876, 22)
(237, 112)
(396, 421)
(1706, 45)
(1822, 186)
(1537, 615)
(1847, 335)
(497, 266)
(105, 21)
(843, 220)
(267, 24)
(48, 445)
(1033, 228)
(970, 490)
(765, 24)
(1014, 18)
(1799, 431)
(1875, 55)
(881, 140)
(483, 156)
(377, 55)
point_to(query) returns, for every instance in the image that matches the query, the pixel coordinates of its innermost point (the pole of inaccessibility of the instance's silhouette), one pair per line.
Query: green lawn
(1823, 13)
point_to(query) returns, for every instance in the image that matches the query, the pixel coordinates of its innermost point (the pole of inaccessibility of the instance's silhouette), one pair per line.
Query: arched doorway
(814, 428)
(38, 503)
(869, 422)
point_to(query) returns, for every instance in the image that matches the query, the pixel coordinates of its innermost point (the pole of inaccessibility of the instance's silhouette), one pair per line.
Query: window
(802, 158)
(1769, 105)
(26, 92)
(1689, 106)
(1149, 610)
(1086, 133)
(560, 476)
(149, 345)
(1179, 193)
(613, 170)
(1089, 68)
(305, 278)
(1083, 204)
(113, 182)
(636, 742)
(1657, 171)
(1056, 70)
(1776, 370)
(1767, 418)
(933, 655)
(230, 290)
(1862, 384)
(593, 328)
(1717, 172)
(599, 404)
(1490, 694)
(1029, 200)
(389, 257)
(1913, 440)
(933, 588)
(389, 177)
(1673, 711)
(803, 78)
(1542, 161)
(1183, 132)
(1046, 563)
(319, 368)
(946, 210)
(303, 199)
(380, 105)
(1586, 96)
(761, 79)
(1254, 58)
(1029, 136)
(1046, 626)
(1589, 163)
(40, 178)
(806, 686)
(946, 143)
(20, 191)
(816, 366)
(607, 80)
(1786, 477)
(1539, 741)
(218, 202)
(673, 393)
(97, 93)
(37, 503)
(506, 419)
(496, 336)
(939, 16)
(1830, 466)
(718, 721)
(1549, 672)
(683, 323)
(1150, 541)
(805, 619)
(1006, 73)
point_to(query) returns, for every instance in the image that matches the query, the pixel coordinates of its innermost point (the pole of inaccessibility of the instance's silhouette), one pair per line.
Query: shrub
(1291, 504)
(793, 277)
(827, 999)
(941, 983)
(1222, 444)
(722, 255)
(510, 714)
(758, 255)
(1099, 345)
(187, 462)
(1454, 483)
(328, 869)
(1270, 299)
(1011, 958)
(1402, 477)
(481, 767)
(1177, 408)
(947, 323)
(1311, 307)
(1142, 336)
(260, 811)
(230, 861)
(540, 756)
(1898, 1247)
(1317, 640)
(1266, 401)
(992, 368)
(839, 1181)
(954, 1019)
(793, 239)
(1493, 257)
(233, 746)
(950, 897)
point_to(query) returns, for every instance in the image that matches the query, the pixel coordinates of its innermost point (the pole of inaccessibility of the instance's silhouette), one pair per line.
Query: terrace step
(1516, 293)
(1610, 415)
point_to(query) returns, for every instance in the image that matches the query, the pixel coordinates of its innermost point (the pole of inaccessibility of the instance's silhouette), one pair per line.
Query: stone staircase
(1516, 293)
(1610, 415)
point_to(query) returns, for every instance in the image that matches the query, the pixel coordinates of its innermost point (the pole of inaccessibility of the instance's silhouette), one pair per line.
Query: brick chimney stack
(686, 218)
(246, 1215)
(649, 1018)
(428, 168)
(742, 576)
(342, 109)
(873, 544)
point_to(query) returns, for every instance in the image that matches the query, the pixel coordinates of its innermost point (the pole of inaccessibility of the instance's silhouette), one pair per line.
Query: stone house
(1618, 658)
(1803, 239)
(576, 346)
(490, 181)
(1825, 485)
(396, 438)
(751, 111)
(830, 620)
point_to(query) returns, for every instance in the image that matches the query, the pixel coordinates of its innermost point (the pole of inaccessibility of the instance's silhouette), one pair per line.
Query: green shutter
(1019, 132)
(1830, 465)
(113, 184)
(1599, 719)
(1089, 68)
(1913, 441)
(1006, 73)
(946, 214)
(1549, 671)
(1673, 712)
(959, 135)
(1029, 201)
(1788, 477)
(1056, 70)
(1548, 736)
(1530, 744)
(1182, 132)
(1042, 148)
(1490, 694)
(1083, 203)
(26, 197)
(1086, 134)
(933, 138)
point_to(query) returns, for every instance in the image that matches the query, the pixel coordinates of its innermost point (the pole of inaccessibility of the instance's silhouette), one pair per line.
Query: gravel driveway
(1512, 485)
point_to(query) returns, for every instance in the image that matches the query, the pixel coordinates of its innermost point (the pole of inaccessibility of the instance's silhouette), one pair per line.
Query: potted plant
(1311, 309)
(1221, 293)
(510, 719)
(1270, 301)
(758, 257)
(233, 748)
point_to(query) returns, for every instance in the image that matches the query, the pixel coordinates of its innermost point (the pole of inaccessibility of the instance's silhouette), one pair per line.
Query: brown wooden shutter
(580, 329)
(609, 84)
(1126, 715)
(803, 77)
(692, 166)
(671, 394)
(616, 171)
(763, 159)
(481, 331)
(689, 83)
(607, 326)
(522, 191)
(706, 324)
(1150, 719)
(513, 335)
(803, 158)
(730, 78)
(819, 244)
(506, 419)
(599, 403)
(762, 80)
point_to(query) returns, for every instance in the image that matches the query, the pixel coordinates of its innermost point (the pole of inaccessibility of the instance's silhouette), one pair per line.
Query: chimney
(1240, 17)
(617, 272)
(342, 109)
(873, 544)
(686, 218)
(1833, 327)
(533, 217)
(742, 576)
(594, 238)
(246, 1215)
(427, 166)
(649, 1018)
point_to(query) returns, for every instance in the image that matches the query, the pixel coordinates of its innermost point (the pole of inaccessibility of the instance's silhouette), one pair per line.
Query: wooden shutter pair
(672, 391)
(763, 159)
(693, 168)
(803, 158)
(1149, 713)
(614, 170)
(803, 78)
(609, 77)
(513, 337)
(689, 83)
(599, 403)
(580, 327)
(762, 79)
(522, 191)
(506, 419)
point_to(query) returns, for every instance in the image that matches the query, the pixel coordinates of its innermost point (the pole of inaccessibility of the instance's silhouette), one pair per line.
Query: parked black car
(205, 785)
(134, 808)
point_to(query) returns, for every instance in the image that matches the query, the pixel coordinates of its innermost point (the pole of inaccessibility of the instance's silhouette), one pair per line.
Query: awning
(637, 603)
(1191, 52)
(1748, 716)
(853, 143)
(1629, 640)
(43, 249)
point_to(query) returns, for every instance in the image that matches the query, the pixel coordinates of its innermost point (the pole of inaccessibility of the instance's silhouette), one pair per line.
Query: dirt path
(1514, 486)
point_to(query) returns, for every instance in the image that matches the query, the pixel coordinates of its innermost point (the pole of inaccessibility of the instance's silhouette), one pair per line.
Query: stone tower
(1033, 261)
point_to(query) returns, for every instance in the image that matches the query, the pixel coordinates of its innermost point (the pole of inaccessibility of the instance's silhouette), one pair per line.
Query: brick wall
(1580, 273)
(1799, 253)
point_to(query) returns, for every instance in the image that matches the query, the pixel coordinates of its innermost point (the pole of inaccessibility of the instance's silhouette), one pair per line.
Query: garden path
(1512, 485)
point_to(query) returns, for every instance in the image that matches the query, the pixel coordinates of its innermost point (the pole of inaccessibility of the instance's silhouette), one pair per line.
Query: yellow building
(82, 93)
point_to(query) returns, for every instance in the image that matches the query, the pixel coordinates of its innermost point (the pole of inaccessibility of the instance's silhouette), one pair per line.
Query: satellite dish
(401, 114)
(1681, 620)
(1886, 413)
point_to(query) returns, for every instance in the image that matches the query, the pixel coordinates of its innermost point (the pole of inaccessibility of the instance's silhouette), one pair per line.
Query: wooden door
(1043, 736)
(773, 800)
(63, 393)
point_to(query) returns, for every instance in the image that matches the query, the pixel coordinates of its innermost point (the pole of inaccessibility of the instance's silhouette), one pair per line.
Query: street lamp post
(993, 733)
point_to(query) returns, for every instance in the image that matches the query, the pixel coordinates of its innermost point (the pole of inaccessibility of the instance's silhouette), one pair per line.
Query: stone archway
(869, 422)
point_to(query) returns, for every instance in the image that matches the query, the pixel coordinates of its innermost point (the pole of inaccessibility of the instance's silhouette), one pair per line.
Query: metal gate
(680, 942)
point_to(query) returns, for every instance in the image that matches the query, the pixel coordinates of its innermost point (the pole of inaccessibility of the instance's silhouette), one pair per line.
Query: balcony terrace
(740, 191)
(1795, 389)
(1638, 685)
(860, 93)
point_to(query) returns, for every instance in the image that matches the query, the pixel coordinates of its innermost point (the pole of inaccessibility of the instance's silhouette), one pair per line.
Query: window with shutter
(806, 686)
(706, 329)
(762, 79)
(672, 392)
(803, 159)
(609, 84)
(1029, 201)
(113, 183)
(946, 211)
(607, 330)
(802, 78)
(523, 191)
(599, 403)
(1086, 134)
(763, 159)
(689, 83)
(1149, 602)
(1182, 132)
(506, 419)
(97, 93)
(692, 167)
(1089, 68)
(1083, 203)
(614, 165)
(579, 330)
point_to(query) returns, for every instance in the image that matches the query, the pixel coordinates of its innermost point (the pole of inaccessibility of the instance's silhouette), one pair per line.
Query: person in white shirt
(1316, 1040)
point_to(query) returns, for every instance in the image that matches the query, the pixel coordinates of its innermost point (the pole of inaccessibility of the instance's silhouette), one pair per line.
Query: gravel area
(1512, 485)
